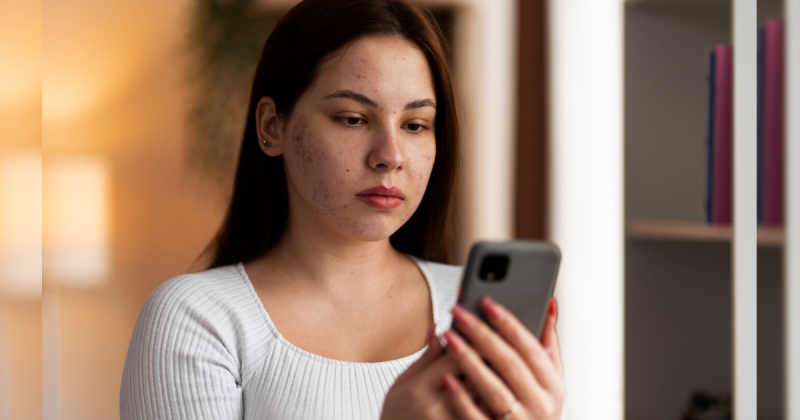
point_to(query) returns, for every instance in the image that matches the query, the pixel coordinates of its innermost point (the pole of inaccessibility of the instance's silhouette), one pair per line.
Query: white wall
(586, 202)
(745, 287)
(485, 72)
(792, 255)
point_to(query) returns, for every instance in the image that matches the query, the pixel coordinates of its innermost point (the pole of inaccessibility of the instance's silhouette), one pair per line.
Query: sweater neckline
(313, 356)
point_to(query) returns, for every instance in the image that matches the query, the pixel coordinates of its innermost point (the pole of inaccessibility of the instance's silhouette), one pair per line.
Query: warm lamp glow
(91, 53)
(75, 222)
(21, 224)
(21, 49)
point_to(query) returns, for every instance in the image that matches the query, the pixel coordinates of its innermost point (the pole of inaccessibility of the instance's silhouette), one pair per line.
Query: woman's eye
(416, 128)
(351, 121)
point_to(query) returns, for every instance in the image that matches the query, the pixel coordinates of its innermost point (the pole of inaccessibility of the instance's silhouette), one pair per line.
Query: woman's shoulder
(218, 298)
(445, 279)
(214, 286)
(444, 273)
(216, 305)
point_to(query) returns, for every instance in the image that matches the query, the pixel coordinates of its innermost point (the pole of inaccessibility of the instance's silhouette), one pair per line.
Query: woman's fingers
(430, 355)
(461, 400)
(503, 358)
(550, 337)
(525, 343)
(489, 387)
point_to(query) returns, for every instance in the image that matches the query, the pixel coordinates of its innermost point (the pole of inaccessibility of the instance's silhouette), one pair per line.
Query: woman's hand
(525, 380)
(418, 393)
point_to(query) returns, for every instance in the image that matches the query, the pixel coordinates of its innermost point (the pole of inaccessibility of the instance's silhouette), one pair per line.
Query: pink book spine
(723, 138)
(773, 122)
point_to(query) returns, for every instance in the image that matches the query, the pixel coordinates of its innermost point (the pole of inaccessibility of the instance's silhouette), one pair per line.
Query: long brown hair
(311, 31)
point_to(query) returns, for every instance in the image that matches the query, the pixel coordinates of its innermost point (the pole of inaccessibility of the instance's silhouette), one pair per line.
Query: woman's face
(366, 122)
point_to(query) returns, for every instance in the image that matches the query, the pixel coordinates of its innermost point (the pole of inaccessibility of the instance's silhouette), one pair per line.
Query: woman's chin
(373, 235)
(374, 232)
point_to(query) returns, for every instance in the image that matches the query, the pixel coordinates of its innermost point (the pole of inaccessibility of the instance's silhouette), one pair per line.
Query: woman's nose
(388, 151)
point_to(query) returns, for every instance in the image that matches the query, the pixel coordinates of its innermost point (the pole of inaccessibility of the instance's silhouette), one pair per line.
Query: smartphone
(520, 275)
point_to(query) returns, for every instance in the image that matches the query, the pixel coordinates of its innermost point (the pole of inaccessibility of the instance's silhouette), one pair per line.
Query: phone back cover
(529, 282)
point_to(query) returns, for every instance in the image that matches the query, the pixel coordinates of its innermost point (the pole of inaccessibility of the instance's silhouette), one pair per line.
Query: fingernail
(431, 334)
(454, 341)
(549, 351)
(555, 308)
(462, 318)
(450, 383)
(492, 309)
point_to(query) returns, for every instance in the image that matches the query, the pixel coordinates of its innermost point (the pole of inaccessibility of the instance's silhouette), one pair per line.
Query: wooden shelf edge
(697, 232)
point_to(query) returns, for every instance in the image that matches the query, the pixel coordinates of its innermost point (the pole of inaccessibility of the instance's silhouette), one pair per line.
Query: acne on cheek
(299, 145)
(322, 196)
(310, 158)
(322, 200)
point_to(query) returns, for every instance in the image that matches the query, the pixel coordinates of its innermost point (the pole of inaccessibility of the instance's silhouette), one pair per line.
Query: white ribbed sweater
(205, 348)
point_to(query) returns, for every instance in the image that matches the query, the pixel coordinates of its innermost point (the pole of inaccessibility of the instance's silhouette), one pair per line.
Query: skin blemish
(317, 152)
(300, 146)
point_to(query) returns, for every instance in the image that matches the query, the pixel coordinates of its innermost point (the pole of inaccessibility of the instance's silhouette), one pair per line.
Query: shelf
(680, 4)
(700, 232)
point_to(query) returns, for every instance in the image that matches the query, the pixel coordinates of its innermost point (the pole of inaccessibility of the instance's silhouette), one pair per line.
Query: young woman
(330, 278)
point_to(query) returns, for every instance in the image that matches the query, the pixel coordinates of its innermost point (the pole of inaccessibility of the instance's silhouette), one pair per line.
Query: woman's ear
(269, 127)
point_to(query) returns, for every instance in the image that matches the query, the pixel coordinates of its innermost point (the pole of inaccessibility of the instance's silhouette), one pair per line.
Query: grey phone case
(528, 284)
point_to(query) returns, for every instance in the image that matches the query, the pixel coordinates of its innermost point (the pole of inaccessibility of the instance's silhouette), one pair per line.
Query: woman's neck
(348, 271)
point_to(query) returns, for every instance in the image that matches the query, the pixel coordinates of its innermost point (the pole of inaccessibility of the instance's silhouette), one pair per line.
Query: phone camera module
(493, 268)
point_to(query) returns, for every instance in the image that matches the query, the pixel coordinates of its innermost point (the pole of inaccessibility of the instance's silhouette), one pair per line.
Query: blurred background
(584, 123)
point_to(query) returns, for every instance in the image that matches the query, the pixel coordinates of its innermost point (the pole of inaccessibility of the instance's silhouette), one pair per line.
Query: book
(723, 135)
(712, 57)
(773, 122)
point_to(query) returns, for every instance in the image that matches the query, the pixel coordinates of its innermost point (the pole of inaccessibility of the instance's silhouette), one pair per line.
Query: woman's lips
(382, 197)
(383, 202)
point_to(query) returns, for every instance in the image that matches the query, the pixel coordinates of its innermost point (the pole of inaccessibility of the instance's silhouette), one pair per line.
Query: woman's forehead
(378, 66)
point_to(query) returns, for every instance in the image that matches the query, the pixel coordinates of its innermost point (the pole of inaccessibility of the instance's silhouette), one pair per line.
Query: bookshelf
(690, 288)
(701, 232)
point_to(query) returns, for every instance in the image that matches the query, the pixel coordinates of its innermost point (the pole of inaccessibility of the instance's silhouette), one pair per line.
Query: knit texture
(204, 347)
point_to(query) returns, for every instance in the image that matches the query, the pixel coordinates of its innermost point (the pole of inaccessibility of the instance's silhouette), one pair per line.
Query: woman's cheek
(419, 174)
(299, 145)
(325, 176)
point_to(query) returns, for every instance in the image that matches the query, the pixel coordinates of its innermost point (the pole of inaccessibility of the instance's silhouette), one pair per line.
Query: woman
(329, 280)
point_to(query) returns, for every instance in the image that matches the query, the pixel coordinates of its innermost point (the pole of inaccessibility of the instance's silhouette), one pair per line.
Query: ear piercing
(267, 144)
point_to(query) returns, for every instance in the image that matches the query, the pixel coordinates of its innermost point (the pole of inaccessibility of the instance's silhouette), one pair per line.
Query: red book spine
(773, 122)
(723, 135)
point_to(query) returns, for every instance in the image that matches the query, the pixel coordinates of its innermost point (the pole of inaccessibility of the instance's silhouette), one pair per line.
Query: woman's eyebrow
(358, 97)
(419, 103)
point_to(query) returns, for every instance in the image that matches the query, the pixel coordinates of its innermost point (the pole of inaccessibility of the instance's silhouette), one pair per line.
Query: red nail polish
(453, 341)
(555, 308)
(461, 317)
(450, 383)
(492, 309)
(431, 334)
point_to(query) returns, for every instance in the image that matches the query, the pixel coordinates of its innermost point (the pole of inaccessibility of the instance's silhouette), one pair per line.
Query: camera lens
(493, 268)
